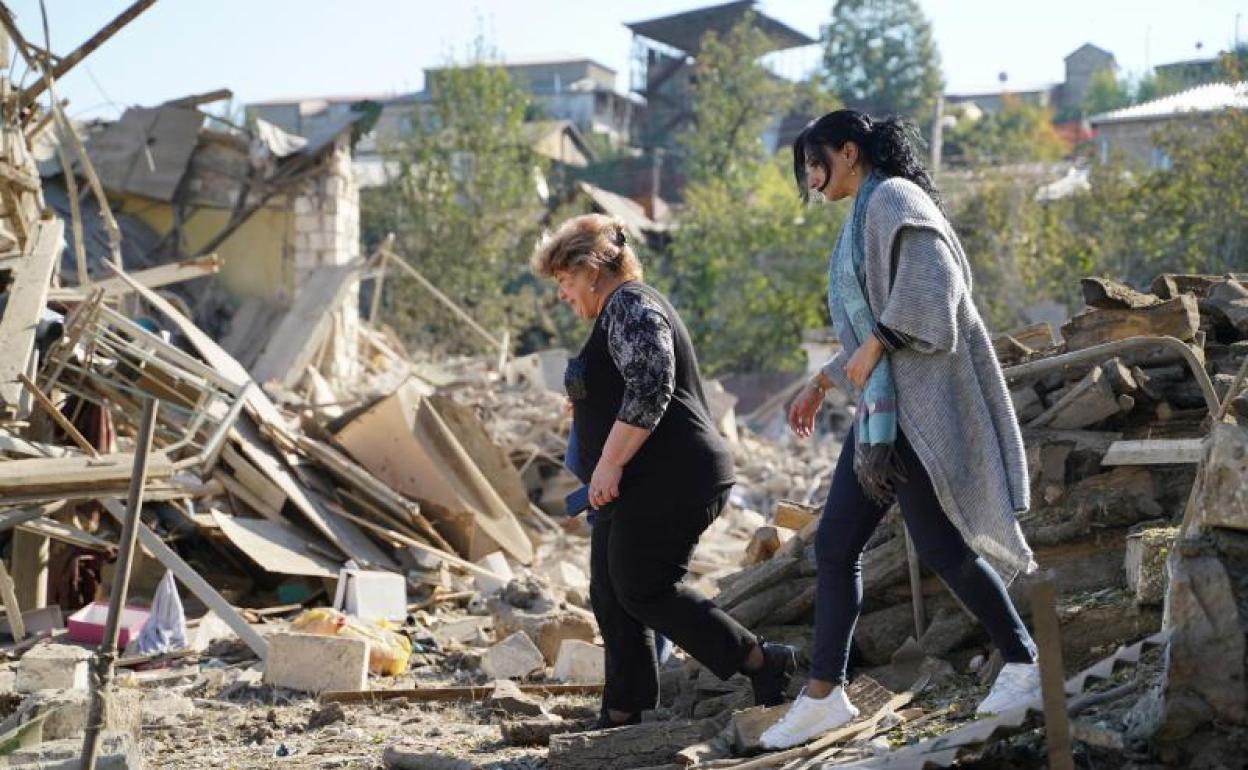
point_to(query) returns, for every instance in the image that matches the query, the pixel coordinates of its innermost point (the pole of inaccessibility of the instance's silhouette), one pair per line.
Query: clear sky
(266, 49)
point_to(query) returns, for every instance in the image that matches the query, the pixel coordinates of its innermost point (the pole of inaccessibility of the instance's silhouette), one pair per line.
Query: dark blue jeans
(849, 518)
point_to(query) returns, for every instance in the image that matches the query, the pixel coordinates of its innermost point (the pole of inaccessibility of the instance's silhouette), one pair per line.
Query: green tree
(1130, 224)
(746, 265)
(1019, 132)
(1233, 64)
(1105, 92)
(880, 56)
(464, 208)
(734, 98)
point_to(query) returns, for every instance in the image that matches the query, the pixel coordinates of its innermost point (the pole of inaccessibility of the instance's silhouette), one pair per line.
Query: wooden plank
(399, 537)
(153, 278)
(307, 323)
(403, 441)
(449, 694)
(244, 494)
(277, 548)
(9, 596)
(51, 528)
(1052, 674)
(258, 485)
(342, 534)
(1177, 318)
(61, 420)
(1161, 451)
(69, 474)
(11, 519)
(358, 477)
(26, 298)
(193, 581)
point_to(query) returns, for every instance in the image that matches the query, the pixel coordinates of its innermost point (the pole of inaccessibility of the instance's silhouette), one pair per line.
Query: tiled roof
(1207, 98)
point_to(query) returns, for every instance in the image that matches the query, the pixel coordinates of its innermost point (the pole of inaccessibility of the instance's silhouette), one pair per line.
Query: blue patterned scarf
(875, 425)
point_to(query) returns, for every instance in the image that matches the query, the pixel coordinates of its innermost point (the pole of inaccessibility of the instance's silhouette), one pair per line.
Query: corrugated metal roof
(1207, 98)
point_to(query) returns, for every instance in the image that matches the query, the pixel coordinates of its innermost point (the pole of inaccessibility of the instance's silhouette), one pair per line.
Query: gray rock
(508, 699)
(397, 757)
(1206, 652)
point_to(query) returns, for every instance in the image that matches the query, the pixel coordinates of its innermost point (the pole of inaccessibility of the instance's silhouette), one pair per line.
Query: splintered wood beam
(152, 278)
(27, 296)
(60, 419)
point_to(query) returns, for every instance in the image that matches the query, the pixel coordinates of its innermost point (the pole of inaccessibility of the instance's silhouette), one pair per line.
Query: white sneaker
(1017, 685)
(809, 718)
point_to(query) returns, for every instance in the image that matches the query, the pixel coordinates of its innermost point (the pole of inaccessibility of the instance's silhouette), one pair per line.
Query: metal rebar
(1098, 353)
(102, 664)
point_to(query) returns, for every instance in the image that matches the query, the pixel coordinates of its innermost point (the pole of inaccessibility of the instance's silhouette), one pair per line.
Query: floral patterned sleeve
(639, 338)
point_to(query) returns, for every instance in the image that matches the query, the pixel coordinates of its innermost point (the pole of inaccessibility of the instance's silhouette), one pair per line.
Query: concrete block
(1145, 563)
(466, 631)
(118, 751)
(315, 664)
(580, 662)
(67, 711)
(514, 657)
(53, 667)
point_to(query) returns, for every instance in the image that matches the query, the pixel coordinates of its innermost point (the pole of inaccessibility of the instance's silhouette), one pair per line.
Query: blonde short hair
(590, 240)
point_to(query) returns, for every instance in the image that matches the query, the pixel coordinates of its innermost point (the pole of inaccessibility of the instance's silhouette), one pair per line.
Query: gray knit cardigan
(952, 401)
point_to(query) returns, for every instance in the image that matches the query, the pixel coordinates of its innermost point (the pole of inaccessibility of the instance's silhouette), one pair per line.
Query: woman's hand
(863, 362)
(804, 408)
(604, 484)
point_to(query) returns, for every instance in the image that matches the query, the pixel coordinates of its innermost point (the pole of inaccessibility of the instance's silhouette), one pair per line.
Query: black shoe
(770, 681)
(605, 722)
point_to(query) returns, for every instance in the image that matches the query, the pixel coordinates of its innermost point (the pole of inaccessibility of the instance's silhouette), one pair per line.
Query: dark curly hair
(889, 145)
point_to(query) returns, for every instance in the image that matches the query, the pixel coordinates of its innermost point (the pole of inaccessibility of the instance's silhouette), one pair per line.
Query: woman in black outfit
(661, 473)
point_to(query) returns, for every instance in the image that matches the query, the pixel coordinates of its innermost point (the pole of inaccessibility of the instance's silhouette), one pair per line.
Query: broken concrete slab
(118, 751)
(465, 631)
(581, 662)
(511, 702)
(53, 667)
(64, 713)
(512, 658)
(316, 664)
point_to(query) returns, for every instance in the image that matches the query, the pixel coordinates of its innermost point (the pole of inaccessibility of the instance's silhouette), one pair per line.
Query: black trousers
(849, 518)
(638, 556)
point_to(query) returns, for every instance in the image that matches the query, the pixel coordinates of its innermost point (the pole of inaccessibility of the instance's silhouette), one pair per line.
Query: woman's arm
(639, 339)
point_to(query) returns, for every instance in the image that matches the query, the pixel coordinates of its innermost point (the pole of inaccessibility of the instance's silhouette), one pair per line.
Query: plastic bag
(165, 629)
(388, 651)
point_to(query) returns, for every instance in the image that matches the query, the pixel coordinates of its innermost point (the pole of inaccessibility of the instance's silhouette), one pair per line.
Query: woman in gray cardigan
(934, 429)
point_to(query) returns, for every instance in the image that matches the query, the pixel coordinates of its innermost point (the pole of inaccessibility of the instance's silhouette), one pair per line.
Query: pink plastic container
(87, 624)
